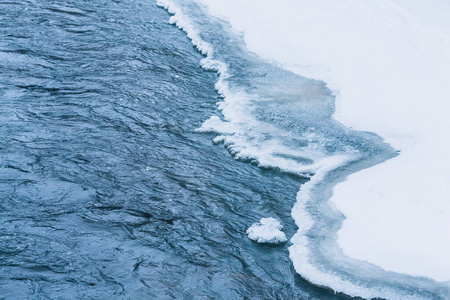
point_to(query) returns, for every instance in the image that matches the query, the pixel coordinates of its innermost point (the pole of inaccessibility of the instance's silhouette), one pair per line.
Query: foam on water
(276, 119)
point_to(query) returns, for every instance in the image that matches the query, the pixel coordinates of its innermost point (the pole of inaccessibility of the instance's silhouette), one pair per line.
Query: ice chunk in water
(267, 230)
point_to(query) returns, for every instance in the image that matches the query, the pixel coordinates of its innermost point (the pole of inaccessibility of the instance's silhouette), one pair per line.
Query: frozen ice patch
(267, 230)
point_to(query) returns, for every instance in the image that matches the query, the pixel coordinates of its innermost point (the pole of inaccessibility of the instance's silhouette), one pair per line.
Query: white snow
(267, 230)
(388, 62)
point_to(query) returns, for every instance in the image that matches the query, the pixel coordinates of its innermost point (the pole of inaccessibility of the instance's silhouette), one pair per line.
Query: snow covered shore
(388, 63)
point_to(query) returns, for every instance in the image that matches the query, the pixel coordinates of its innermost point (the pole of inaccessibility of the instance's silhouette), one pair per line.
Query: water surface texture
(105, 188)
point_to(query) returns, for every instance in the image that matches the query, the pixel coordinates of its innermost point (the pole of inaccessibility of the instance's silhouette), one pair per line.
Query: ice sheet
(388, 64)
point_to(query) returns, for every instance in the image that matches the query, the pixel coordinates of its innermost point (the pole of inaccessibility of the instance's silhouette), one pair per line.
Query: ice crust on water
(387, 63)
(239, 119)
(267, 230)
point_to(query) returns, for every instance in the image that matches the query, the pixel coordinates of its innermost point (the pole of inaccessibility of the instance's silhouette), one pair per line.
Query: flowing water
(116, 178)
(105, 188)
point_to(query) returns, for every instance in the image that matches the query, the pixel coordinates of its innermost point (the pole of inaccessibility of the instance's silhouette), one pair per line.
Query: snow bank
(388, 63)
(267, 230)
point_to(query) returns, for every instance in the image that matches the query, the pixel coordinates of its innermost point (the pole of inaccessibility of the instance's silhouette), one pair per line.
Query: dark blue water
(105, 189)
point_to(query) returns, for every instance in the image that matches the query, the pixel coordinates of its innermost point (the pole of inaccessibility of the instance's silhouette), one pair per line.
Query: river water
(131, 164)
(105, 188)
